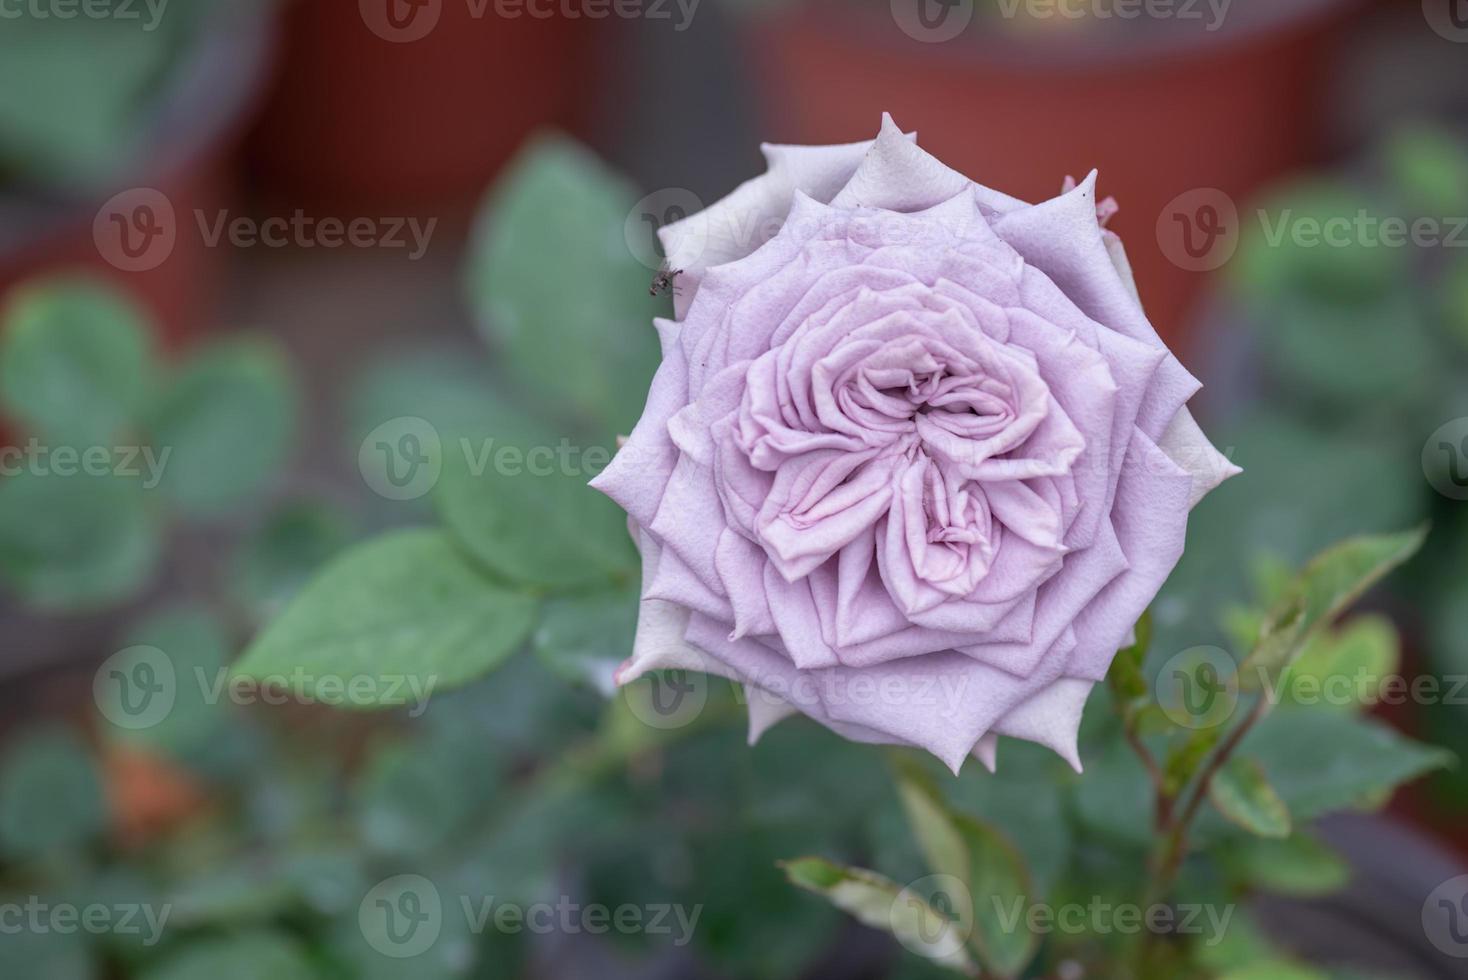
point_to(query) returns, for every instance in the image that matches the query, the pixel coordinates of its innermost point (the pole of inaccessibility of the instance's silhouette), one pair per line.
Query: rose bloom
(914, 462)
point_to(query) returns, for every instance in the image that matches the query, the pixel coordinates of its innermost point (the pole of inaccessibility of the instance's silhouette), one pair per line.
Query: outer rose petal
(782, 251)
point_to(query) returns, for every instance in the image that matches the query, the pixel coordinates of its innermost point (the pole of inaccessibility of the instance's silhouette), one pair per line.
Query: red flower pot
(409, 104)
(1160, 109)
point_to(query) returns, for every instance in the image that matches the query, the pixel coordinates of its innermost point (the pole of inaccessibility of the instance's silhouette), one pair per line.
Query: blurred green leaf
(246, 891)
(411, 801)
(1428, 167)
(990, 868)
(525, 512)
(50, 795)
(1328, 585)
(1299, 865)
(276, 562)
(196, 649)
(47, 955)
(1319, 761)
(556, 286)
(388, 618)
(243, 956)
(73, 91)
(226, 420)
(76, 361)
(1347, 667)
(1308, 243)
(73, 543)
(584, 638)
(1242, 793)
(1187, 756)
(881, 903)
(1125, 676)
(1275, 970)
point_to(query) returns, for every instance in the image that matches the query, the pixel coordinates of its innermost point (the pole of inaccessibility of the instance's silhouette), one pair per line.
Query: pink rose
(914, 462)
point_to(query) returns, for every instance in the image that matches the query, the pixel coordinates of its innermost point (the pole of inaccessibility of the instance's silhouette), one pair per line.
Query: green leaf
(50, 795)
(74, 543)
(74, 93)
(1183, 761)
(555, 285)
(525, 512)
(1328, 585)
(1320, 761)
(180, 653)
(76, 359)
(584, 638)
(1242, 793)
(46, 955)
(881, 903)
(1127, 681)
(391, 621)
(989, 868)
(1429, 167)
(244, 956)
(410, 801)
(226, 420)
(1275, 970)
(1346, 668)
(277, 561)
(1299, 865)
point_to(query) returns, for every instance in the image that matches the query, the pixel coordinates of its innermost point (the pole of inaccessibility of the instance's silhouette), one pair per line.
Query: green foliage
(530, 518)
(1330, 583)
(556, 288)
(76, 91)
(272, 565)
(247, 956)
(226, 418)
(108, 442)
(883, 904)
(78, 541)
(990, 872)
(388, 623)
(50, 795)
(75, 362)
(1242, 793)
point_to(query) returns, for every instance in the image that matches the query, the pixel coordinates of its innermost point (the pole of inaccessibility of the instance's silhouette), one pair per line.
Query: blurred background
(239, 238)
